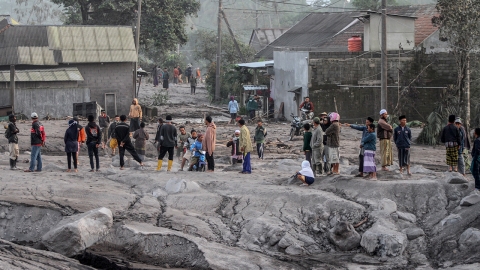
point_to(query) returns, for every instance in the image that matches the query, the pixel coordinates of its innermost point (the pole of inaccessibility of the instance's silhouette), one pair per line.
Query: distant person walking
(82, 137)
(193, 85)
(475, 167)
(259, 138)
(199, 75)
(176, 73)
(245, 147)
(165, 78)
(94, 141)
(369, 144)
(104, 123)
(37, 139)
(189, 72)
(135, 115)
(209, 143)
(12, 138)
(307, 139)
(333, 143)
(384, 133)
(451, 138)
(402, 136)
(71, 144)
(155, 76)
(122, 133)
(364, 130)
(168, 143)
(111, 134)
(157, 135)
(252, 107)
(233, 109)
(180, 72)
(317, 147)
(141, 137)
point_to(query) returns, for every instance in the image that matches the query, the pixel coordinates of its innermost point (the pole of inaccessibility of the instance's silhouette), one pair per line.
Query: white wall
(291, 70)
(400, 30)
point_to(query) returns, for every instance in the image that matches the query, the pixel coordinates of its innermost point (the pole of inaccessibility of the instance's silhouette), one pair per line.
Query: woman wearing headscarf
(135, 116)
(141, 137)
(71, 144)
(234, 142)
(305, 174)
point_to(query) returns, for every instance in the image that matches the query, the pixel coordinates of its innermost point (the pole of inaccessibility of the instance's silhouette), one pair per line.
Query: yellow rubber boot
(159, 166)
(170, 163)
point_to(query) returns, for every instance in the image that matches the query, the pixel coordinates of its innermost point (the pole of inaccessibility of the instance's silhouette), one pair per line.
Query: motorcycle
(306, 115)
(297, 126)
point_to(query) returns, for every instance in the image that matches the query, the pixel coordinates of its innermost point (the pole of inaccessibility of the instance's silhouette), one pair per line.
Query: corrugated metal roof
(256, 64)
(43, 75)
(255, 87)
(264, 36)
(311, 32)
(51, 45)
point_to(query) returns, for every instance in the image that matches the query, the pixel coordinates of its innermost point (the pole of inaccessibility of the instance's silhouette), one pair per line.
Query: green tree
(459, 25)
(371, 4)
(162, 22)
(35, 11)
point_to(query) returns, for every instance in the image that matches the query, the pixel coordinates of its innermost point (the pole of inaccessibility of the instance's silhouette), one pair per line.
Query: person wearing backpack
(94, 140)
(11, 134)
(37, 139)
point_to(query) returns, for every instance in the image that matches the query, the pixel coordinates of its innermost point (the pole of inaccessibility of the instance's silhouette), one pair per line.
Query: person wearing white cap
(234, 142)
(384, 133)
(37, 137)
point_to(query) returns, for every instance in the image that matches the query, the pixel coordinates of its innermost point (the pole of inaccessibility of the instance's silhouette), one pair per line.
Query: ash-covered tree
(459, 26)
(162, 22)
(371, 4)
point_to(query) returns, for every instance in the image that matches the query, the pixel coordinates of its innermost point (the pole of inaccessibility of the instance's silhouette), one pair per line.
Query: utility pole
(383, 99)
(219, 51)
(12, 87)
(256, 14)
(137, 44)
(233, 37)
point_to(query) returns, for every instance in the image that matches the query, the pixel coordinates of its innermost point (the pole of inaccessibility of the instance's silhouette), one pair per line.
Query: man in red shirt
(37, 137)
(176, 73)
(308, 107)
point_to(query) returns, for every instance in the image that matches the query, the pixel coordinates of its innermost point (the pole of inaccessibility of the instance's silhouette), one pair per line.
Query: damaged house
(56, 66)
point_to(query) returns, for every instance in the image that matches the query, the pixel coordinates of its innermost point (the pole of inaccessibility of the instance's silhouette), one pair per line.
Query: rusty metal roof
(43, 75)
(51, 45)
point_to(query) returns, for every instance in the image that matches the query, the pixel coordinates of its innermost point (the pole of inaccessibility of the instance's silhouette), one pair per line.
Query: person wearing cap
(364, 130)
(317, 147)
(235, 144)
(450, 137)
(464, 144)
(245, 147)
(157, 135)
(333, 143)
(122, 134)
(259, 138)
(71, 145)
(210, 140)
(104, 123)
(384, 133)
(37, 138)
(12, 138)
(111, 134)
(94, 141)
(233, 109)
(402, 136)
(167, 142)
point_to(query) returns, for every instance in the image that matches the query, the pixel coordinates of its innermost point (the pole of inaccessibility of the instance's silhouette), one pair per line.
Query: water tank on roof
(355, 44)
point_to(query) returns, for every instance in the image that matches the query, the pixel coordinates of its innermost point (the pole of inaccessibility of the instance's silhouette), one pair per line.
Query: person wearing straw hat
(384, 133)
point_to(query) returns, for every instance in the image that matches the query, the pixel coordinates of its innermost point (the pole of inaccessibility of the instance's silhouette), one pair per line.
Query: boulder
(451, 219)
(344, 236)
(413, 233)
(470, 200)
(470, 240)
(383, 241)
(175, 185)
(76, 233)
(407, 217)
(455, 178)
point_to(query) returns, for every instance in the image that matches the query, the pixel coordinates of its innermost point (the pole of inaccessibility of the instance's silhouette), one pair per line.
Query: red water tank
(355, 44)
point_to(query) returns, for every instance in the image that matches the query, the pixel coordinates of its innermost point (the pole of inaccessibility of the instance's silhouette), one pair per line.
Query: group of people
(191, 76)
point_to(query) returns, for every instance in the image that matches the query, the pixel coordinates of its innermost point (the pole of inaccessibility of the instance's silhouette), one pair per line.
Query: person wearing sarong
(402, 136)
(451, 139)
(141, 137)
(475, 167)
(364, 130)
(369, 144)
(464, 144)
(135, 116)
(384, 133)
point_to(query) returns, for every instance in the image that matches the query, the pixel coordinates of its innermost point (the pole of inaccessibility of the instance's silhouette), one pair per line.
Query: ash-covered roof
(264, 36)
(43, 75)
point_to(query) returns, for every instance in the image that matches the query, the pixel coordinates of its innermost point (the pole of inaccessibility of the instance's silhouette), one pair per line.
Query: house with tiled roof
(56, 66)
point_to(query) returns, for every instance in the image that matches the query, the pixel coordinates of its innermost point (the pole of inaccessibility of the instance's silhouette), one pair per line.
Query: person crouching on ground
(196, 147)
(235, 144)
(475, 167)
(305, 174)
(186, 148)
(369, 144)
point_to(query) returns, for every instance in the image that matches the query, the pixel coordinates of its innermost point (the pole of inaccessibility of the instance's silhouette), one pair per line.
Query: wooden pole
(12, 87)
(219, 52)
(137, 43)
(233, 37)
(383, 99)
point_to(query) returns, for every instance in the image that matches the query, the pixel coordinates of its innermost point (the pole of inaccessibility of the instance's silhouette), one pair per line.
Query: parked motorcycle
(306, 115)
(297, 126)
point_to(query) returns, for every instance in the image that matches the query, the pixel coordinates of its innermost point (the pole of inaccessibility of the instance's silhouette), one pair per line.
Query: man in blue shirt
(196, 147)
(364, 130)
(402, 136)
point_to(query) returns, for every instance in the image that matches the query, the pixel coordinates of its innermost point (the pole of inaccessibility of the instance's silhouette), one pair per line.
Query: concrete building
(57, 66)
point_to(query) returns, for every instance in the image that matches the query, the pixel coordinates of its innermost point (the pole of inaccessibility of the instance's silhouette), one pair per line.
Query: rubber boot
(15, 164)
(159, 166)
(12, 166)
(170, 163)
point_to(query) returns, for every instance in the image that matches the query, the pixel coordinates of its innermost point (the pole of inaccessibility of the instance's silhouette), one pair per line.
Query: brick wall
(358, 72)
(109, 78)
